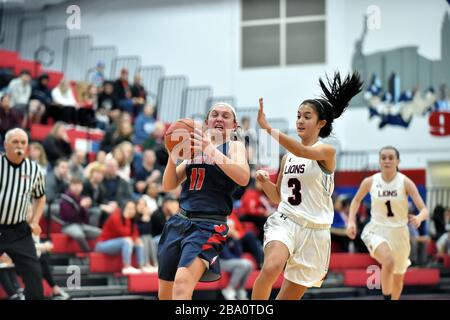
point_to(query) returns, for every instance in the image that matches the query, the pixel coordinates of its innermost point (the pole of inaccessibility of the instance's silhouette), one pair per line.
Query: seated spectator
(8, 279)
(43, 249)
(255, 207)
(443, 243)
(231, 261)
(73, 211)
(76, 163)
(138, 94)
(120, 235)
(95, 190)
(144, 224)
(169, 207)
(250, 243)
(19, 90)
(37, 153)
(249, 139)
(57, 180)
(117, 189)
(65, 104)
(144, 124)
(439, 221)
(120, 132)
(9, 118)
(108, 109)
(150, 195)
(87, 102)
(99, 76)
(123, 153)
(122, 91)
(339, 226)
(40, 100)
(146, 171)
(57, 144)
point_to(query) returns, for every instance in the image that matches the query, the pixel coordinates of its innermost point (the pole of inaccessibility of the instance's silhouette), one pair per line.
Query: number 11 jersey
(389, 201)
(306, 189)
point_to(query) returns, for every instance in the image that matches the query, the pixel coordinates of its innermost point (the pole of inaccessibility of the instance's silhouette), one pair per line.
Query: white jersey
(306, 190)
(389, 201)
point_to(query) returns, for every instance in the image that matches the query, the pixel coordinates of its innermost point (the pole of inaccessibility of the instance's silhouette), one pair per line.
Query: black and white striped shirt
(18, 183)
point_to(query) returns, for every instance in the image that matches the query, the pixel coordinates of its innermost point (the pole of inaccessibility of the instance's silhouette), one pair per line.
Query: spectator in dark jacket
(117, 189)
(41, 98)
(57, 181)
(73, 211)
(57, 144)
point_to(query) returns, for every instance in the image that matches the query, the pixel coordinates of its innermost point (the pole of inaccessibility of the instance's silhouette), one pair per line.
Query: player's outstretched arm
(364, 189)
(323, 152)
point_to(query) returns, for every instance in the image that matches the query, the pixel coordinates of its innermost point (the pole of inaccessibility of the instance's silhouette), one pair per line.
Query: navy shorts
(183, 239)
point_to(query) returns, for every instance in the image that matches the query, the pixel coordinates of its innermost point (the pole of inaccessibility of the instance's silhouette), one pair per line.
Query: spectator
(122, 92)
(76, 163)
(108, 106)
(443, 243)
(116, 134)
(439, 221)
(99, 76)
(95, 190)
(120, 235)
(156, 143)
(138, 94)
(57, 145)
(255, 207)
(20, 91)
(150, 196)
(231, 261)
(123, 153)
(249, 138)
(169, 207)
(73, 211)
(147, 171)
(9, 118)
(37, 154)
(144, 124)
(57, 181)
(65, 103)
(40, 100)
(87, 102)
(144, 224)
(117, 189)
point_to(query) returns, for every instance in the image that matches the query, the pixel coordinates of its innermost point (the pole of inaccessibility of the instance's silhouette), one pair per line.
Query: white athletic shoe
(130, 270)
(229, 293)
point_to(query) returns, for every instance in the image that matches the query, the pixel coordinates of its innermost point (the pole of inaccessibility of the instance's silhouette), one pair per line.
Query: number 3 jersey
(306, 190)
(389, 201)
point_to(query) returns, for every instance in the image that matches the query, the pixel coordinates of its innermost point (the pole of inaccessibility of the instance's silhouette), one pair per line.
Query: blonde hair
(43, 156)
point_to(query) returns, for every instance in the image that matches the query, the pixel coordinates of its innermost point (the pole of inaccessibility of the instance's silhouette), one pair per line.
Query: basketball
(178, 132)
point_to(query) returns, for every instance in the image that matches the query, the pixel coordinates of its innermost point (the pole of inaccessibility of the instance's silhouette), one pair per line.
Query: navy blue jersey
(207, 188)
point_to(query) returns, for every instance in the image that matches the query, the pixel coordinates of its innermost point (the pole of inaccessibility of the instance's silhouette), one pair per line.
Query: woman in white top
(297, 236)
(387, 235)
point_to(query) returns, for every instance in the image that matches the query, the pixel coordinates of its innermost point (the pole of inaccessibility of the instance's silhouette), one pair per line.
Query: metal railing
(77, 51)
(437, 196)
(132, 63)
(10, 27)
(195, 101)
(30, 36)
(53, 40)
(150, 79)
(103, 54)
(170, 97)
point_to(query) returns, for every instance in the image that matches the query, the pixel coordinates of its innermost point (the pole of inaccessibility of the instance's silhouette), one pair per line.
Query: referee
(21, 180)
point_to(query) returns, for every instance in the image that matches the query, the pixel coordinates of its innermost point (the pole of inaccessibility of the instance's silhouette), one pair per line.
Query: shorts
(183, 239)
(397, 238)
(309, 247)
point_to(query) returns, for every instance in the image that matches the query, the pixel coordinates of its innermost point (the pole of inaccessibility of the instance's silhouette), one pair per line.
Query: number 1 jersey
(306, 190)
(389, 201)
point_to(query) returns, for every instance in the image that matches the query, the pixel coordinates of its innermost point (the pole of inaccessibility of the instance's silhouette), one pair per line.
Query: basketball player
(192, 239)
(297, 236)
(387, 235)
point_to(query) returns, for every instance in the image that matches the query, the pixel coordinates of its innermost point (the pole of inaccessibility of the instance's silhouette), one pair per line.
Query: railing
(10, 27)
(104, 54)
(437, 196)
(53, 39)
(195, 102)
(170, 97)
(150, 79)
(132, 63)
(77, 50)
(31, 33)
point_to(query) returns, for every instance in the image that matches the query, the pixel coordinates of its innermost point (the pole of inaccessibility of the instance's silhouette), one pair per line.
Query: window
(282, 32)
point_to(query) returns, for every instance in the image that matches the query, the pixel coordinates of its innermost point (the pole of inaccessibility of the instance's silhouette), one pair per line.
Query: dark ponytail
(335, 99)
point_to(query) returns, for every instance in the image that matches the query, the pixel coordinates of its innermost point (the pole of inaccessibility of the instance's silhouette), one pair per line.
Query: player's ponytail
(335, 99)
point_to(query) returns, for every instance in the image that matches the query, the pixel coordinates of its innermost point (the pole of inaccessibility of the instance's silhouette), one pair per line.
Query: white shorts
(397, 238)
(309, 249)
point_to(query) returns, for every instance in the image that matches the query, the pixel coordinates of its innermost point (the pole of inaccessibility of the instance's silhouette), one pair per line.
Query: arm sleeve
(39, 186)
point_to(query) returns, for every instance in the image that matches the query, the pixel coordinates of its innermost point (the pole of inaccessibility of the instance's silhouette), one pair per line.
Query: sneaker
(62, 295)
(130, 270)
(242, 294)
(149, 269)
(229, 294)
(17, 296)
